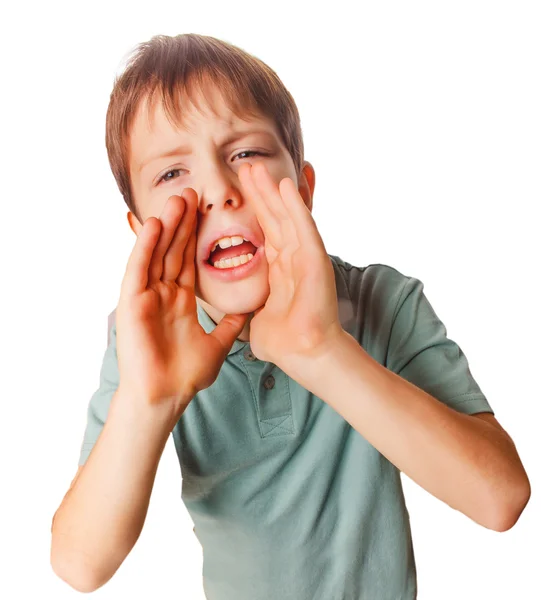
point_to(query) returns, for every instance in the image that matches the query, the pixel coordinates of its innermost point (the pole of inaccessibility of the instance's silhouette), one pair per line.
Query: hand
(300, 316)
(164, 355)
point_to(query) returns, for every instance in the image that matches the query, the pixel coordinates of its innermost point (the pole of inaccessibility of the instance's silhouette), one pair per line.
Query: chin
(235, 300)
(237, 308)
(236, 297)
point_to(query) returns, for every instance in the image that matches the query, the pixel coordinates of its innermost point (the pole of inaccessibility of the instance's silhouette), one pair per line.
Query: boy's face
(211, 150)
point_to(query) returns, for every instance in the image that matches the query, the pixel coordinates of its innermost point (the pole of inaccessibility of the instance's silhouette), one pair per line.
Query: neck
(217, 316)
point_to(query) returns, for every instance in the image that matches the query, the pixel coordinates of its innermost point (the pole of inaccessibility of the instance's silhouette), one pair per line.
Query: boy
(296, 386)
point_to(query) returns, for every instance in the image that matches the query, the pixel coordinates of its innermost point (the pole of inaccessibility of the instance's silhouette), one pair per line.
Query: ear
(133, 222)
(307, 183)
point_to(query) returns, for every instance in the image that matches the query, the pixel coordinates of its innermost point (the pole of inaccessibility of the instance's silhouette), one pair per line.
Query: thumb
(228, 329)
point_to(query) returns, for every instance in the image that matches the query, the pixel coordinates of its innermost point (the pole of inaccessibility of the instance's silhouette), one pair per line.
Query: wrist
(162, 413)
(308, 367)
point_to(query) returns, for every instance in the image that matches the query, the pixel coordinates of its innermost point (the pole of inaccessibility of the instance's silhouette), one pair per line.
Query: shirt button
(249, 355)
(269, 382)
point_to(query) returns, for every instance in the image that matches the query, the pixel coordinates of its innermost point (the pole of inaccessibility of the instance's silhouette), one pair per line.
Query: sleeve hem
(470, 403)
(86, 449)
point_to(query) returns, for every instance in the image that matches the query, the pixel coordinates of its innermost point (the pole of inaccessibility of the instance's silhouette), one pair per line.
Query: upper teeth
(225, 242)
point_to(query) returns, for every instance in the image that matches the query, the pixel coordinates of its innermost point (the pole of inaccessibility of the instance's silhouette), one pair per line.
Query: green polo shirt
(289, 502)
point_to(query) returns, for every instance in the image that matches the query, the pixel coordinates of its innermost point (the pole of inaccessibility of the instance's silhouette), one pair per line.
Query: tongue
(221, 253)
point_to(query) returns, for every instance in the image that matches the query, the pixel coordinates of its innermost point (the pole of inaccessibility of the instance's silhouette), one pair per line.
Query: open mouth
(231, 252)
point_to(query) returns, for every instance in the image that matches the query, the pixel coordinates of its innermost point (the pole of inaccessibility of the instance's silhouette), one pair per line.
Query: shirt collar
(208, 325)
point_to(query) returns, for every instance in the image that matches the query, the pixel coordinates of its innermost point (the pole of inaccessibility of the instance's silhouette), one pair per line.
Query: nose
(218, 190)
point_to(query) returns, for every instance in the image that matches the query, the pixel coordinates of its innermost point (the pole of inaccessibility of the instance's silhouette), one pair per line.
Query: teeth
(227, 263)
(226, 242)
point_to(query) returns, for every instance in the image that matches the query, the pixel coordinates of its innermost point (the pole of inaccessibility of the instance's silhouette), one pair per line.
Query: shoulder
(369, 297)
(376, 280)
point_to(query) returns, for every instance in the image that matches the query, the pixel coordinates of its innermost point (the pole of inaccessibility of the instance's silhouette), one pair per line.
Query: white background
(422, 120)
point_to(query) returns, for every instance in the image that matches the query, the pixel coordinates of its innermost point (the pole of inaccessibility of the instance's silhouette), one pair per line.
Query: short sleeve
(98, 406)
(420, 352)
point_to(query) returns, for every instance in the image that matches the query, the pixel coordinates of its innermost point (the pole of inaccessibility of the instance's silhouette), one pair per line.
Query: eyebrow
(185, 150)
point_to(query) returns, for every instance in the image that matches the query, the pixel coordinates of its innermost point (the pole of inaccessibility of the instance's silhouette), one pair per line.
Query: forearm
(463, 461)
(102, 516)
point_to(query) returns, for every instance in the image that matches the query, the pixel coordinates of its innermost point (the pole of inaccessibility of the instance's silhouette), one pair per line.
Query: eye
(253, 152)
(165, 177)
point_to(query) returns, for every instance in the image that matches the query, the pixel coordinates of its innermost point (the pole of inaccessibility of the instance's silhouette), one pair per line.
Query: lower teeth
(227, 263)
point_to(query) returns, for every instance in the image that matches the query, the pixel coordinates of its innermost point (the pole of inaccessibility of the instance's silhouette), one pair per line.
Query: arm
(469, 462)
(164, 356)
(102, 515)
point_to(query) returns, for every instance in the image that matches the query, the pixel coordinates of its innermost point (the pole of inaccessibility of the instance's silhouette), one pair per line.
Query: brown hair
(186, 62)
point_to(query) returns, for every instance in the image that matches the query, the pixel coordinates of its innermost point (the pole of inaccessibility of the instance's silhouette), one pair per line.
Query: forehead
(158, 123)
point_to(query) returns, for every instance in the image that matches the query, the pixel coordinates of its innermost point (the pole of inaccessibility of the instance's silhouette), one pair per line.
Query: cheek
(281, 171)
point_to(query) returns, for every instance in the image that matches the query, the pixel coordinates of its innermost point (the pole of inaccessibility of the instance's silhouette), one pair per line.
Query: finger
(300, 215)
(269, 223)
(186, 277)
(269, 192)
(271, 195)
(170, 216)
(175, 254)
(228, 330)
(136, 276)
